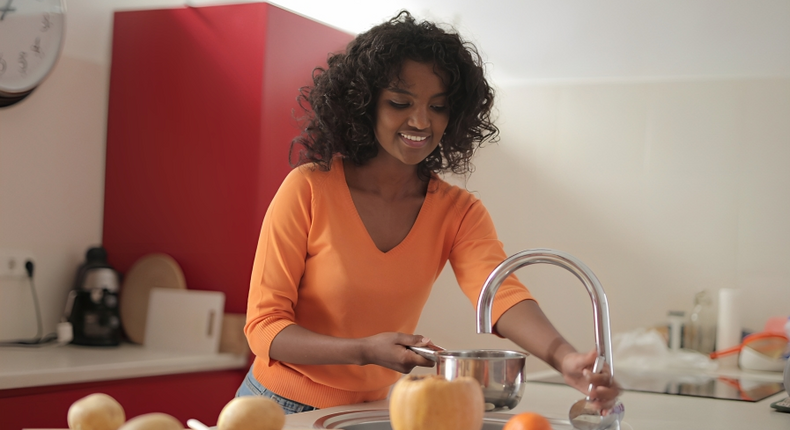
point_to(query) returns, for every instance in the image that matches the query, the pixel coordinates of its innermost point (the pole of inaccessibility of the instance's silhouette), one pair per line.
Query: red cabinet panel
(184, 396)
(200, 122)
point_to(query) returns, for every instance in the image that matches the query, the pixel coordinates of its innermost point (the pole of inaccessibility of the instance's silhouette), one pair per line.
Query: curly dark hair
(341, 115)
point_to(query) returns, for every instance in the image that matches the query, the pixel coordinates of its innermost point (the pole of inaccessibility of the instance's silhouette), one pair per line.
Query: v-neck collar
(340, 175)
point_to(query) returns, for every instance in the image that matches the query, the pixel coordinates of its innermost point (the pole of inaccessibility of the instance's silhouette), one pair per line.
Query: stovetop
(743, 388)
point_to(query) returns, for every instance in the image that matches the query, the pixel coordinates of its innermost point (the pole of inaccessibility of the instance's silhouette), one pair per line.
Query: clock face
(31, 36)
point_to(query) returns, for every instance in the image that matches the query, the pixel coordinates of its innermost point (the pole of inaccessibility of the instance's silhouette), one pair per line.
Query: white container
(676, 319)
(728, 329)
(751, 359)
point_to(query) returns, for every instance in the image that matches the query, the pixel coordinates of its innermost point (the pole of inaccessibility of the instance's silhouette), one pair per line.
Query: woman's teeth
(414, 138)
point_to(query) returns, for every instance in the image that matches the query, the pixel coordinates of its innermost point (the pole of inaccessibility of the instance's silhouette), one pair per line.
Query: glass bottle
(700, 332)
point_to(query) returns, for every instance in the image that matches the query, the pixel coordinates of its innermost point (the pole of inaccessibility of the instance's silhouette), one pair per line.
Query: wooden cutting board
(149, 272)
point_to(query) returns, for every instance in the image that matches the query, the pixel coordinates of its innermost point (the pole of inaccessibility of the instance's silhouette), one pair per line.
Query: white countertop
(26, 367)
(643, 411)
(53, 365)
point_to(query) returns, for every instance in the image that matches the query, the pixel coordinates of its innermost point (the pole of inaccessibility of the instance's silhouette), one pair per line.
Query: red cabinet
(189, 395)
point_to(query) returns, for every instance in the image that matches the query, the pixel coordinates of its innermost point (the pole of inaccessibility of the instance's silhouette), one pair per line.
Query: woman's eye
(397, 105)
(440, 108)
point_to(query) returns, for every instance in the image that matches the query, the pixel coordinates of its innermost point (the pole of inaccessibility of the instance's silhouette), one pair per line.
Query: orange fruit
(527, 421)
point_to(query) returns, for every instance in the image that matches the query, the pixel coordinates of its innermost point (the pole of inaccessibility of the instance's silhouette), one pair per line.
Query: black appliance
(92, 305)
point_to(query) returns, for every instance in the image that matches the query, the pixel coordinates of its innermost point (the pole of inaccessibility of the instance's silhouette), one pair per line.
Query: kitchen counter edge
(23, 367)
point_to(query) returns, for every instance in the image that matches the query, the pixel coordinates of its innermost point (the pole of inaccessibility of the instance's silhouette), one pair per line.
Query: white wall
(648, 139)
(662, 188)
(51, 188)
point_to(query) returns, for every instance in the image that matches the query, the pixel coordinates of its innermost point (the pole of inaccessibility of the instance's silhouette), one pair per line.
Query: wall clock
(31, 38)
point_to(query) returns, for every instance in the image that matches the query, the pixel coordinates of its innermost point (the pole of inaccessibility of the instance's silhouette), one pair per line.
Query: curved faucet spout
(603, 341)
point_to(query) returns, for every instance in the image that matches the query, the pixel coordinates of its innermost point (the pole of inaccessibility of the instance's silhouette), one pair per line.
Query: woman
(358, 233)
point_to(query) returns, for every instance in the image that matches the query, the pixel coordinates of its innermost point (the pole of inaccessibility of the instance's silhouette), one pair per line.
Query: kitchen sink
(379, 419)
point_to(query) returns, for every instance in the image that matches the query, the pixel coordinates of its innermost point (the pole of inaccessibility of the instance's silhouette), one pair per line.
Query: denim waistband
(251, 387)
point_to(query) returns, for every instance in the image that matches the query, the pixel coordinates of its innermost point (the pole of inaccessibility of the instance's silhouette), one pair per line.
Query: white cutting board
(184, 320)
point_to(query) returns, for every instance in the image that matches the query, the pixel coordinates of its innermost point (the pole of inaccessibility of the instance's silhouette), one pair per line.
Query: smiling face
(412, 114)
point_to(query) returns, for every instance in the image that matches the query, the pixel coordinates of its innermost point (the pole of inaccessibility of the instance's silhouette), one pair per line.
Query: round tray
(150, 271)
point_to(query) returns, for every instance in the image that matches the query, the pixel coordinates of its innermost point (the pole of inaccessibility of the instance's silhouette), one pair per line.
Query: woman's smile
(413, 140)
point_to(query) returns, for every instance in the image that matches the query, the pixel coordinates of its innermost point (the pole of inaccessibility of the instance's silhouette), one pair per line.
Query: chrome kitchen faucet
(603, 336)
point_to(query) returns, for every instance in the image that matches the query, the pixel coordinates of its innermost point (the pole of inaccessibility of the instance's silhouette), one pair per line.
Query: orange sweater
(316, 266)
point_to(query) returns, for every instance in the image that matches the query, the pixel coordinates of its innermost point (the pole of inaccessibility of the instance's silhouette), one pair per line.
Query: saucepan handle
(428, 353)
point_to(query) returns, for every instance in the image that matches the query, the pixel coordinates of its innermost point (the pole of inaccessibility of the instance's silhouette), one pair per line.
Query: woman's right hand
(390, 350)
(297, 345)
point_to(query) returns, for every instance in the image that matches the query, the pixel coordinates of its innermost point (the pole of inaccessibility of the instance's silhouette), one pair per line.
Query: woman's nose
(419, 118)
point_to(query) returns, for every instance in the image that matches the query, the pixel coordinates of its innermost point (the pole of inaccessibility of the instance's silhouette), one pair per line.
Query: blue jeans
(251, 387)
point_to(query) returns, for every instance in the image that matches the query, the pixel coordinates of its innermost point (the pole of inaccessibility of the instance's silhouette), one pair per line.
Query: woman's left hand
(576, 369)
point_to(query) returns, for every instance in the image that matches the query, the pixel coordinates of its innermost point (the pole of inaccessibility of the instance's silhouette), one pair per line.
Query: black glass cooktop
(743, 388)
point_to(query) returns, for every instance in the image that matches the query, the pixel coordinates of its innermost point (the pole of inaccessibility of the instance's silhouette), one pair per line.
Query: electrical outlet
(12, 263)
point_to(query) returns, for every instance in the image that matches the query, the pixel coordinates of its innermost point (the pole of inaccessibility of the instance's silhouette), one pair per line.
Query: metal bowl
(500, 373)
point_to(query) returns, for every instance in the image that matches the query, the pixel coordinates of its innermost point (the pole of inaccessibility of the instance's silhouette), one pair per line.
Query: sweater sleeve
(475, 253)
(279, 263)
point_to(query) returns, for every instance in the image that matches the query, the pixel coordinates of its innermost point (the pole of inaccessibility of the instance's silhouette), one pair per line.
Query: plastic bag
(646, 349)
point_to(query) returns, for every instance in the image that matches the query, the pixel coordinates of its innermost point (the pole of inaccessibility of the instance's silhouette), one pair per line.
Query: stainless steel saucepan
(500, 373)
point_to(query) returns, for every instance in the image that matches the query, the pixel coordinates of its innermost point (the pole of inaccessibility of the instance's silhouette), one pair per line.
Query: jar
(700, 333)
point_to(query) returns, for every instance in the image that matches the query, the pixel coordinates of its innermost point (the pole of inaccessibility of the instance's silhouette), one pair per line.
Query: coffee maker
(92, 304)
